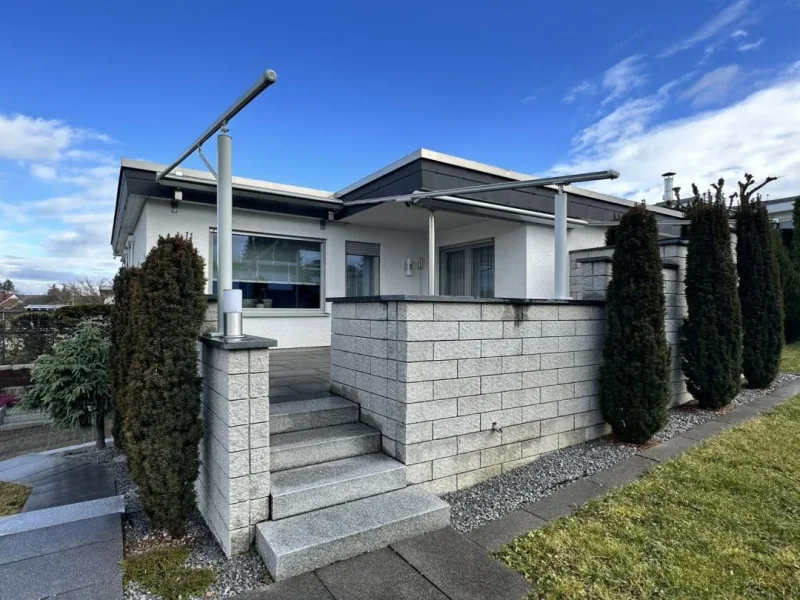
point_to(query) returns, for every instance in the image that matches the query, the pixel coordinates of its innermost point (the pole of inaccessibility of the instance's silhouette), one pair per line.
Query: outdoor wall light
(409, 266)
(232, 309)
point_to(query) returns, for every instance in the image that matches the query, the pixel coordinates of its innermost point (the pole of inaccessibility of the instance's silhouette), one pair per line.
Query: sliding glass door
(468, 270)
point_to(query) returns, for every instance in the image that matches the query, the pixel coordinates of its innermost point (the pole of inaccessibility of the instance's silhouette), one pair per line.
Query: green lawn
(722, 521)
(162, 572)
(12, 497)
(790, 358)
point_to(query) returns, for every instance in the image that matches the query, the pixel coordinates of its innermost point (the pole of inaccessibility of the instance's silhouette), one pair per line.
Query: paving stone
(312, 446)
(740, 414)
(496, 534)
(379, 574)
(624, 472)
(303, 587)
(787, 391)
(564, 501)
(767, 402)
(706, 430)
(61, 514)
(666, 450)
(460, 568)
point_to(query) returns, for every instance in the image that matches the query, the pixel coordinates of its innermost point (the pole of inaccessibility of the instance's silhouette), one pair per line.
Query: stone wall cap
(248, 342)
(594, 259)
(462, 299)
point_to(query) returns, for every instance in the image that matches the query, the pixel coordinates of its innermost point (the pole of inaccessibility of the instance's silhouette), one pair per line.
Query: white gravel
(500, 495)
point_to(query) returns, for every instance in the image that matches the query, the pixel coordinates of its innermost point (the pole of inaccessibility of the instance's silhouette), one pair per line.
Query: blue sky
(704, 88)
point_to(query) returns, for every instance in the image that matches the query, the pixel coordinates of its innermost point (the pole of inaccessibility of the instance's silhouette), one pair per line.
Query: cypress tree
(121, 348)
(790, 285)
(162, 404)
(711, 336)
(634, 378)
(760, 293)
(795, 233)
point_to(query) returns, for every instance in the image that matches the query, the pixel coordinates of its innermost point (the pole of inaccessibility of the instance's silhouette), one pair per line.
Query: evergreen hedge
(796, 233)
(790, 285)
(711, 336)
(162, 423)
(760, 294)
(122, 345)
(634, 377)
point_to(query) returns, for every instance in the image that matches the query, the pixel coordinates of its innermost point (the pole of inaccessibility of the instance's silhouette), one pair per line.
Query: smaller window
(362, 269)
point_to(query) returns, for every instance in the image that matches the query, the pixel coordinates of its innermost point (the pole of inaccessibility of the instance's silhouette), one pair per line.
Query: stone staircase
(334, 494)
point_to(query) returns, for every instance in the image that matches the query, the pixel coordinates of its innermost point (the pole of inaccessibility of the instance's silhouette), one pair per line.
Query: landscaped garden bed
(721, 521)
(498, 496)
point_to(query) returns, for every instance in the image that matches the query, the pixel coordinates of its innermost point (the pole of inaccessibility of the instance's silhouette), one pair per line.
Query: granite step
(313, 446)
(305, 489)
(311, 414)
(312, 540)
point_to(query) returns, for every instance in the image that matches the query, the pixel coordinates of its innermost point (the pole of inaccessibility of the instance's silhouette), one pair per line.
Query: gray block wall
(464, 391)
(233, 484)
(590, 274)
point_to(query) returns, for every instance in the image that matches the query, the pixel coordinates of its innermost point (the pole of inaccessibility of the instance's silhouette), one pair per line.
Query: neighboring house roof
(43, 306)
(9, 300)
(420, 170)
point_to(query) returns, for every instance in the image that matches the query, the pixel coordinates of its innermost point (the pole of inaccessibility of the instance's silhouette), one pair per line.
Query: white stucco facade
(523, 258)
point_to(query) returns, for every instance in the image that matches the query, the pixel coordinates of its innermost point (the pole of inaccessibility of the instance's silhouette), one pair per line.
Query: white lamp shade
(231, 301)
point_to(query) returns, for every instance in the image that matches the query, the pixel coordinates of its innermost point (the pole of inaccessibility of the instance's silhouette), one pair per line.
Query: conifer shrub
(711, 335)
(122, 338)
(790, 285)
(162, 426)
(796, 237)
(634, 377)
(760, 294)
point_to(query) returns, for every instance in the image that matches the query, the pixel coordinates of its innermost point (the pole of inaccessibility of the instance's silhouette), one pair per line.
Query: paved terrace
(299, 373)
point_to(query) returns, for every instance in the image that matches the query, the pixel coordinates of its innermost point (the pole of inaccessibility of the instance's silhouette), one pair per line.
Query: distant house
(38, 303)
(781, 209)
(9, 301)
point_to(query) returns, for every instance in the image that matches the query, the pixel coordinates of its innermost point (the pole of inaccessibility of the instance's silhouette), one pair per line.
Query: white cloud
(710, 29)
(584, 88)
(624, 77)
(760, 135)
(712, 87)
(751, 46)
(28, 139)
(739, 33)
(45, 172)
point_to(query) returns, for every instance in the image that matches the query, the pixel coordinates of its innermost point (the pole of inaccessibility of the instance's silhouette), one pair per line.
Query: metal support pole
(224, 222)
(431, 254)
(560, 290)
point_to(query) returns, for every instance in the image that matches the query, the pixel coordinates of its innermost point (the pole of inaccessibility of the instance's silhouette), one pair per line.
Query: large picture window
(274, 272)
(362, 270)
(468, 270)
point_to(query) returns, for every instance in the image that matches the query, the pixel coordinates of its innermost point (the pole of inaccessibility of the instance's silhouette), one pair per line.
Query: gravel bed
(234, 575)
(500, 495)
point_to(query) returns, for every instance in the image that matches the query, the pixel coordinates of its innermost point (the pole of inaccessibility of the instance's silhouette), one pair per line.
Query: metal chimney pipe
(669, 195)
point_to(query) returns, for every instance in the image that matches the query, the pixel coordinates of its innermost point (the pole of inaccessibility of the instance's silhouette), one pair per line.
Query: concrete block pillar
(233, 484)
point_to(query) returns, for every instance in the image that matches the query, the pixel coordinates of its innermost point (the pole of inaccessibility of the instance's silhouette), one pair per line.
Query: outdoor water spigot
(496, 427)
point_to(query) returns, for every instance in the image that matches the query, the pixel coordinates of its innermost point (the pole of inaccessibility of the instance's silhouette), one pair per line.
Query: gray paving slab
(460, 568)
(496, 534)
(56, 498)
(60, 572)
(706, 431)
(21, 546)
(767, 402)
(380, 574)
(564, 501)
(51, 474)
(31, 468)
(93, 591)
(27, 521)
(669, 449)
(624, 472)
(788, 390)
(740, 414)
(303, 587)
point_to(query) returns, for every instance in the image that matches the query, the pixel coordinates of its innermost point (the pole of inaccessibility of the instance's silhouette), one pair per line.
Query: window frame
(377, 275)
(276, 312)
(467, 247)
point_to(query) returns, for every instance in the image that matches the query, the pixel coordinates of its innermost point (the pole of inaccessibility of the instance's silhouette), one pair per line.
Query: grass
(722, 521)
(163, 573)
(12, 498)
(790, 358)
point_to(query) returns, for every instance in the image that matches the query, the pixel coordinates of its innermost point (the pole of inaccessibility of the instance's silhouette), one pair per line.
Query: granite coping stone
(460, 568)
(379, 574)
(496, 534)
(248, 342)
(59, 515)
(564, 501)
(462, 299)
(624, 472)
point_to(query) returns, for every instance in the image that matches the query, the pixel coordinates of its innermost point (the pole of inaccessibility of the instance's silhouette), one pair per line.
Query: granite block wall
(234, 483)
(462, 391)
